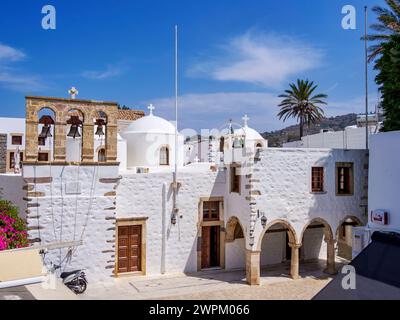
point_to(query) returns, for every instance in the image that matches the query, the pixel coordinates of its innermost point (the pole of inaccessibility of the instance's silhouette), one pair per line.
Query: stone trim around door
(219, 223)
(134, 221)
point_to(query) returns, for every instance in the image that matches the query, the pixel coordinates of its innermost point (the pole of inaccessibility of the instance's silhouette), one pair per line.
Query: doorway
(129, 248)
(210, 247)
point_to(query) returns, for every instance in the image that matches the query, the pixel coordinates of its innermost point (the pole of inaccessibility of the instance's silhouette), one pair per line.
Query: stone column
(87, 142)
(330, 259)
(111, 143)
(60, 137)
(253, 267)
(31, 140)
(294, 261)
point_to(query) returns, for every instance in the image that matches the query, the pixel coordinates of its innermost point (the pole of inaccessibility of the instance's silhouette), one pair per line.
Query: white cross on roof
(151, 108)
(245, 120)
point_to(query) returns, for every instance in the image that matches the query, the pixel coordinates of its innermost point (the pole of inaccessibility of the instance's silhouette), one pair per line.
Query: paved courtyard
(218, 285)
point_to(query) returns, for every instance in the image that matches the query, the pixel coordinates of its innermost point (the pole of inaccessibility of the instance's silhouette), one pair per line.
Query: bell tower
(73, 118)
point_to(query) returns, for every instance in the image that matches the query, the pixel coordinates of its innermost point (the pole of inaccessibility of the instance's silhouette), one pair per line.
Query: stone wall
(71, 203)
(3, 153)
(281, 179)
(89, 110)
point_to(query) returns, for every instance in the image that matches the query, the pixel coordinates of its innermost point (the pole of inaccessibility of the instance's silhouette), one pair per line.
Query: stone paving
(218, 285)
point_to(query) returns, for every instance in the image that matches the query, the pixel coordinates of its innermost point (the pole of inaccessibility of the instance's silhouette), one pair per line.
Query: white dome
(250, 133)
(150, 124)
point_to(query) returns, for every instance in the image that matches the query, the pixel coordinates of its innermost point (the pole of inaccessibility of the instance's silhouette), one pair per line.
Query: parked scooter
(75, 280)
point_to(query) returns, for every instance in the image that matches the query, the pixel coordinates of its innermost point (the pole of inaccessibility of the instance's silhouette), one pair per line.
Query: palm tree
(387, 26)
(299, 102)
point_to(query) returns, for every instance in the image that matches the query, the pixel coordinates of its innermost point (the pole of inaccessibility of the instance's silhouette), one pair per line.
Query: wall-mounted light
(263, 220)
(173, 219)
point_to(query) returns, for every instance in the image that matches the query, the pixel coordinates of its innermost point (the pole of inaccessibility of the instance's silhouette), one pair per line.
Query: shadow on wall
(324, 211)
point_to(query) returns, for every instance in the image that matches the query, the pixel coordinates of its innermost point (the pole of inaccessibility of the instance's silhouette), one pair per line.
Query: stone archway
(235, 244)
(287, 239)
(344, 236)
(312, 243)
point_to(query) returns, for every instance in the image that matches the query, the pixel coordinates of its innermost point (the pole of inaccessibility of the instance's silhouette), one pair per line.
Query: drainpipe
(164, 226)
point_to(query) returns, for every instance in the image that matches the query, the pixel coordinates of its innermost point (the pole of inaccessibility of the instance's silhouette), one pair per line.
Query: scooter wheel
(80, 287)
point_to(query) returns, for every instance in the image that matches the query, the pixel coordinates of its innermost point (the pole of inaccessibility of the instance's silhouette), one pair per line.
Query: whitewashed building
(383, 191)
(257, 207)
(352, 137)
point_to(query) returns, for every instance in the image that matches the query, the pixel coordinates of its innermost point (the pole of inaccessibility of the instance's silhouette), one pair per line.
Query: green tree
(388, 78)
(388, 25)
(300, 102)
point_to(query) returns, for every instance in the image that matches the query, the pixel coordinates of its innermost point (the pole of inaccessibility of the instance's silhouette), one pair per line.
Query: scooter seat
(66, 274)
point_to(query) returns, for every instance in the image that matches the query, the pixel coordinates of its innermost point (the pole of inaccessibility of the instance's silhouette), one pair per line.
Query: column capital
(295, 245)
(330, 241)
(252, 251)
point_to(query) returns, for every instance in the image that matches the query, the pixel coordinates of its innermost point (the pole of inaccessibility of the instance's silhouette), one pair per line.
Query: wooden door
(129, 248)
(205, 247)
(210, 247)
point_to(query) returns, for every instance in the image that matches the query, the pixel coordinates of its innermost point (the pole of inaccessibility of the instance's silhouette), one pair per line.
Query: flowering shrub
(13, 233)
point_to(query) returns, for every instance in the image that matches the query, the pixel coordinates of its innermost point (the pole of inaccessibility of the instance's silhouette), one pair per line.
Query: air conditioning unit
(361, 239)
(142, 170)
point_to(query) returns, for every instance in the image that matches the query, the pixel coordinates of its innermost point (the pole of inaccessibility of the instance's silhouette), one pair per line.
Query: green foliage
(388, 78)
(387, 25)
(300, 102)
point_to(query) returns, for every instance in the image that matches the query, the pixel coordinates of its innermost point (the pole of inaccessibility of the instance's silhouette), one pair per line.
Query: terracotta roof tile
(130, 115)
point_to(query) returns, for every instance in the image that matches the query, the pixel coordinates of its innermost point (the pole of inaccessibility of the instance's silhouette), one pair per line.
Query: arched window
(101, 155)
(164, 156)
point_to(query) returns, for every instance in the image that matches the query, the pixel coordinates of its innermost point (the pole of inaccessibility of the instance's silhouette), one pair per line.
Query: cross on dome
(151, 108)
(245, 120)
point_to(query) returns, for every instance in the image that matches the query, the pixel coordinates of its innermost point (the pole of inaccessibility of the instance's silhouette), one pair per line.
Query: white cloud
(263, 59)
(9, 54)
(213, 110)
(23, 83)
(111, 71)
(12, 79)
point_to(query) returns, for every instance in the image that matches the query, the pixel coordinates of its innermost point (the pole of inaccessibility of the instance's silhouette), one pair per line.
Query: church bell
(99, 131)
(45, 132)
(74, 131)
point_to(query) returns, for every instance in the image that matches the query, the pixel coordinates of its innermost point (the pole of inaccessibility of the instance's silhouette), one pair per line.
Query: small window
(16, 140)
(43, 156)
(164, 156)
(101, 156)
(344, 178)
(235, 179)
(317, 179)
(221, 144)
(41, 141)
(211, 210)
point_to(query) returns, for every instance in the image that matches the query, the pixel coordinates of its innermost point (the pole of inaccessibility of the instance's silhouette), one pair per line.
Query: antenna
(175, 183)
(366, 76)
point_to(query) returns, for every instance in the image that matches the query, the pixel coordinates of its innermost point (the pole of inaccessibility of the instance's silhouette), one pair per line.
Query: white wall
(76, 193)
(235, 255)
(384, 178)
(349, 138)
(141, 195)
(283, 178)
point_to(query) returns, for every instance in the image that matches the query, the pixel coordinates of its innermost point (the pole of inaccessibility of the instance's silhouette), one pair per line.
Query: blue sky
(236, 57)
